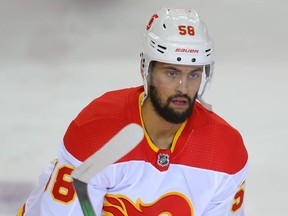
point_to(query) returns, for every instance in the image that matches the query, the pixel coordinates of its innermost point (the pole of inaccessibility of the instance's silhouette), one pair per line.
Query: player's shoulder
(205, 119)
(98, 122)
(112, 103)
(220, 145)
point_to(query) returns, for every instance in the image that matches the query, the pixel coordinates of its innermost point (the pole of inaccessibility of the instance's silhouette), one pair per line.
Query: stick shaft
(121, 144)
(82, 193)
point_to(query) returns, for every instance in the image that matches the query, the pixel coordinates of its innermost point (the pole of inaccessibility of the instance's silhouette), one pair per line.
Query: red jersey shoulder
(113, 103)
(98, 122)
(212, 143)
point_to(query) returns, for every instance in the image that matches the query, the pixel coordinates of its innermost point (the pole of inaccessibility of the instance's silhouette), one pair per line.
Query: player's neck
(159, 130)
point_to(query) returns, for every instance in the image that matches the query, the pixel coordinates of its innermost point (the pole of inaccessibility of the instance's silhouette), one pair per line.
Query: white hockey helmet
(177, 36)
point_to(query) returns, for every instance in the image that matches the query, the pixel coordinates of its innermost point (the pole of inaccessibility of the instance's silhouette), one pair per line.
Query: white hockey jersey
(203, 174)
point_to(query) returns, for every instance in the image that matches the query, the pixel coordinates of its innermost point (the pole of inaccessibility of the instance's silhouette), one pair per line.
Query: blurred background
(57, 56)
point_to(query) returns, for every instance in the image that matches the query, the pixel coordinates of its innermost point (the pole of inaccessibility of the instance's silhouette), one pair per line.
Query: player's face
(173, 90)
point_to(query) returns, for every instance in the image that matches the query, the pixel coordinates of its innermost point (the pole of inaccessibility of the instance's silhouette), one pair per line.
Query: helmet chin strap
(200, 96)
(145, 89)
(144, 71)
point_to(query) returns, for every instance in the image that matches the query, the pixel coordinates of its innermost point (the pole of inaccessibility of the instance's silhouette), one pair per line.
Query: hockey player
(190, 163)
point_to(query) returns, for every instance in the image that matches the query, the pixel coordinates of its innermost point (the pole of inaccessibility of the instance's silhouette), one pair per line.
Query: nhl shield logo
(163, 160)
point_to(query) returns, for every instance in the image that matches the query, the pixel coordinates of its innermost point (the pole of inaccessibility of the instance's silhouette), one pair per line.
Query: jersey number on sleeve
(238, 199)
(62, 188)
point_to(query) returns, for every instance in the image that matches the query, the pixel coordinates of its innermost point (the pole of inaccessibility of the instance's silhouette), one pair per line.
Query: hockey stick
(121, 144)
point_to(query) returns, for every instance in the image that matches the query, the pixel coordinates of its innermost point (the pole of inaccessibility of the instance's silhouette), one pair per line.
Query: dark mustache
(184, 96)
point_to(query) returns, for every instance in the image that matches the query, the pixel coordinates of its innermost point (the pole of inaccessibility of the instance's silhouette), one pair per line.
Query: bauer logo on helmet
(182, 50)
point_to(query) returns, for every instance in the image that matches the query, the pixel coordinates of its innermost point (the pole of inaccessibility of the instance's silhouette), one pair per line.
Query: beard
(168, 113)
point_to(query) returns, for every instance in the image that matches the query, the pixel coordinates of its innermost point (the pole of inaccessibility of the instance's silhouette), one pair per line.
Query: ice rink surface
(56, 56)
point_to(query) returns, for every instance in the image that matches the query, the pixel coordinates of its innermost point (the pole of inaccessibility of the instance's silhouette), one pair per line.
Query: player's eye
(171, 74)
(194, 75)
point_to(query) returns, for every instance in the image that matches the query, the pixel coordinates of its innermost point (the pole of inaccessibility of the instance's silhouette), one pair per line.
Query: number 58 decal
(186, 30)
